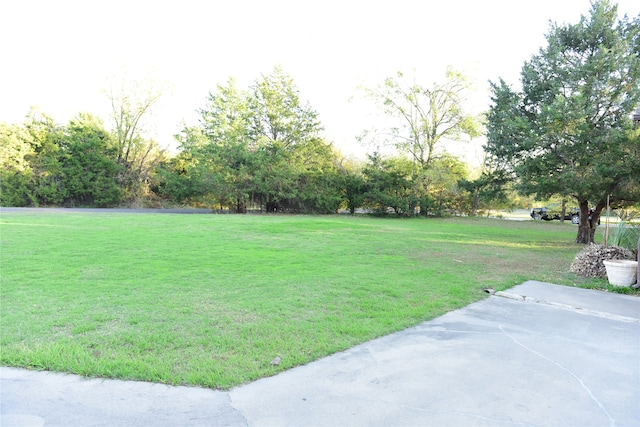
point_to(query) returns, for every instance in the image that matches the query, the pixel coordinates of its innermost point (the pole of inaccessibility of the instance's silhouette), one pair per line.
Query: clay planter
(621, 272)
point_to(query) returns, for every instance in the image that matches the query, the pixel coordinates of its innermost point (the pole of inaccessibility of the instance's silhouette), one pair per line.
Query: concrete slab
(580, 299)
(38, 399)
(561, 356)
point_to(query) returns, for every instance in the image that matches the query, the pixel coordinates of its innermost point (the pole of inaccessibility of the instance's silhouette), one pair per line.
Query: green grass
(210, 300)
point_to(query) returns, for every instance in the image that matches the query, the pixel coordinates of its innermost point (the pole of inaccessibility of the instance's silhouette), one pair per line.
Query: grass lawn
(210, 300)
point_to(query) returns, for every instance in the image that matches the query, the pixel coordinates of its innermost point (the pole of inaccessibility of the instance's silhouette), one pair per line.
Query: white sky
(59, 54)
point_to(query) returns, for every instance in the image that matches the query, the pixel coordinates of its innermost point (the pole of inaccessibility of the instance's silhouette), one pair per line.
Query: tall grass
(626, 235)
(210, 300)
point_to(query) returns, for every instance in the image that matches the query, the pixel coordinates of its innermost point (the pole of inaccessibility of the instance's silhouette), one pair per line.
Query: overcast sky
(58, 54)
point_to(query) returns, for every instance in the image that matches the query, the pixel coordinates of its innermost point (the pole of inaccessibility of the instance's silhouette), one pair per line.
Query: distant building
(636, 117)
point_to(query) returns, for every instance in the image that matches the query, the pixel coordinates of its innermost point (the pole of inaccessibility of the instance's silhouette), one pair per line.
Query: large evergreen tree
(226, 158)
(569, 131)
(281, 128)
(89, 163)
(46, 186)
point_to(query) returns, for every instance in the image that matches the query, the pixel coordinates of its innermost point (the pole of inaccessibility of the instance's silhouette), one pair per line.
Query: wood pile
(589, 262)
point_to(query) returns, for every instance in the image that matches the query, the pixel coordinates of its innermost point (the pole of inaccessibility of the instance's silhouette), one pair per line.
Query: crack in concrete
(612, 421)
(568, 307)
(238, 411)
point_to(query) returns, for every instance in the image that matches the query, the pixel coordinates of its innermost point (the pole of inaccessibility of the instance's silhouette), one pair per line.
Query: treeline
(255, 149)
(80, 164)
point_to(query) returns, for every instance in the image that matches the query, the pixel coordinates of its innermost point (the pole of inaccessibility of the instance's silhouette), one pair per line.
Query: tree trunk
(240, 206)
(476, 203)
(585, 234)
(587, 227)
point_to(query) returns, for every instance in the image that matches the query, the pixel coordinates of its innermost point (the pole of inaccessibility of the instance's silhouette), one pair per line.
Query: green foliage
(16, 174)
(627, 232)
(174, 181)
(278, 120)
(259, 147)
(225, 118)
(626, 235)
(441, 184)
(47, 164)
(389, 186)
(569, 132)
(424, 121)
(222, 154)
(180, 178)
(89, 163)
(16, 188)
(255, 149)
(353, 185)
(488, 191)
(394, 184)
(287, 135)
(15, 146)
(44, 160)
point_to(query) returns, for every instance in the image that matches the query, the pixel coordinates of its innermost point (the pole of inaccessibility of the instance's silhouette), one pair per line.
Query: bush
(627, 233)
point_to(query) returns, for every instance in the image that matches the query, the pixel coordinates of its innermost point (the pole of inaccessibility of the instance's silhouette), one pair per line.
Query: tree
(426, 117)
(281, 129)
(15, 171)
(353, 184)
(89, 164)
(259, 146)
(44, 160)
(131, 102)
(318, 181)
(179, 177)
(389, 185)
(442, 181)
(227, 158)
(43, 163)
(569, 132)
(486, 191)
(278, 119)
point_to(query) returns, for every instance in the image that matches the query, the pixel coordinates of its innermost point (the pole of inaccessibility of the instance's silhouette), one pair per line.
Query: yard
(212, 300)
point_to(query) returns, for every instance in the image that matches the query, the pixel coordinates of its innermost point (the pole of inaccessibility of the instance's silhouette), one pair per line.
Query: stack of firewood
(589, 262)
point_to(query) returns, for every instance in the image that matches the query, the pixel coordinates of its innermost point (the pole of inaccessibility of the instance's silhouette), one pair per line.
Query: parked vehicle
(549, 214)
